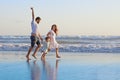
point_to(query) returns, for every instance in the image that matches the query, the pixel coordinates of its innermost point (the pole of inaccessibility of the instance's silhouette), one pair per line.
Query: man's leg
(37, 48)
(32, 45)
(27, 56)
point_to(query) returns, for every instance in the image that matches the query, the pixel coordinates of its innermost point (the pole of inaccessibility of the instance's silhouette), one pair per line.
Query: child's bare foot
(34, 56)
(43, 56)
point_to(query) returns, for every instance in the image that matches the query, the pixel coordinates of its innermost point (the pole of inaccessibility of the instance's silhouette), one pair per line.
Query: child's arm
(48, 34)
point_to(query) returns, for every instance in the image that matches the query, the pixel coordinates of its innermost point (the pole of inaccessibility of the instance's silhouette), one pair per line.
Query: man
(35, 35)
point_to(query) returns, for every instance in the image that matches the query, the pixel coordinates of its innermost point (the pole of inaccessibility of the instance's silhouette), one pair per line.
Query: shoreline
(74, 57)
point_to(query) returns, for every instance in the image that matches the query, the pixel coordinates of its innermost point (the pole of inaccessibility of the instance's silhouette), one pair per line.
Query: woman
(53, 43)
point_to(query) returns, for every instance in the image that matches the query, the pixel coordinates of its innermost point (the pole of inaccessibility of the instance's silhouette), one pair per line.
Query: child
(46, 47)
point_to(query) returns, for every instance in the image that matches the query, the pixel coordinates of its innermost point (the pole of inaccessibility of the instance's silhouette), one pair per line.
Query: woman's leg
(57, 53)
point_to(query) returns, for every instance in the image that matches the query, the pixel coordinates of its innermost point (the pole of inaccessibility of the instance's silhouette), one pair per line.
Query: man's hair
(38, 18)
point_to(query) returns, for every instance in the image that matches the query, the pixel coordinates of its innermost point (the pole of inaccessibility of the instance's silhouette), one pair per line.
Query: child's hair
(46, 38)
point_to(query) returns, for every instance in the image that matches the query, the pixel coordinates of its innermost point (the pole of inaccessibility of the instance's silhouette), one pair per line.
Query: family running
(50, 39)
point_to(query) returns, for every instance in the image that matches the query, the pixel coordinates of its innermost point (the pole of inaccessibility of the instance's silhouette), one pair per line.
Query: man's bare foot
(28, 58)
(34, 56)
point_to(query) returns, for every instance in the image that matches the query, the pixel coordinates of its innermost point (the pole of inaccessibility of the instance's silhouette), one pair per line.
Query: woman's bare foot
(58, 56)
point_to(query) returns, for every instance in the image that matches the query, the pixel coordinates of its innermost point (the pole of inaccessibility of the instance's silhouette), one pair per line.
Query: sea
(82, 44)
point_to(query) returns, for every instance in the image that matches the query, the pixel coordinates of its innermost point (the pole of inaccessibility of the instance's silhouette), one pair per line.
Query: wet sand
(72, 66)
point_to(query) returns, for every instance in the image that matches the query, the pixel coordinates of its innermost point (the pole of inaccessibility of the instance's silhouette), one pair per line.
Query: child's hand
(48, 49)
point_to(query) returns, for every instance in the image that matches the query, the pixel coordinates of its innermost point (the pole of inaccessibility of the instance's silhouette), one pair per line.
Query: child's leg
(43, 55)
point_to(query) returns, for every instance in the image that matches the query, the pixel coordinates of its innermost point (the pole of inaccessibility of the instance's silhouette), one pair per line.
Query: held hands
(41, 39)
(48, 49)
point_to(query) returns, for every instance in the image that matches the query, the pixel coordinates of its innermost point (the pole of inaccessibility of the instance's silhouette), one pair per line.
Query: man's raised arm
(33, 16)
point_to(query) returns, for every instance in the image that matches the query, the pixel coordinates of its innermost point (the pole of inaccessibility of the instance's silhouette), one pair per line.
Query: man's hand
(31, 8)
(32, 13)
(41, 39)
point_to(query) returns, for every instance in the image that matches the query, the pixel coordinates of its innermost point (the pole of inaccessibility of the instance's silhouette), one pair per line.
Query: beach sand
(72, 66)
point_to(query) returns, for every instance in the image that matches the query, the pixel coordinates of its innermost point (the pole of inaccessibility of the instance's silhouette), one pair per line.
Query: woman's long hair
(56, 29)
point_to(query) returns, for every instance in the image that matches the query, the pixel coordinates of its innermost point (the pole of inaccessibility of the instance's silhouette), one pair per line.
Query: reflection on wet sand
(34, 69)
(49, 71)
(43, 70)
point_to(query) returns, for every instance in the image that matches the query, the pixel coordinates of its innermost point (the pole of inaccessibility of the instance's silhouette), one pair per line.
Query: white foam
(67, 43)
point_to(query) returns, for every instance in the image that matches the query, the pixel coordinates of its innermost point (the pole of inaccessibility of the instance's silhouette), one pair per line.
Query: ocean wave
(68, 48)
(94, 44)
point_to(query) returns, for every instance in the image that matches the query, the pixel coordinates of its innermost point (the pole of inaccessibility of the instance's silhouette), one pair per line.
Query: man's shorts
(34, 40)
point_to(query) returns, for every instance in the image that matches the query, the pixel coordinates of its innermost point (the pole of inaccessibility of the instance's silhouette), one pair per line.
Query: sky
(73, 17)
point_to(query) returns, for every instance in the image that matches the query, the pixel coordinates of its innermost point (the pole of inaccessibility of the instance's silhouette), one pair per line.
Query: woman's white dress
(53, 42)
